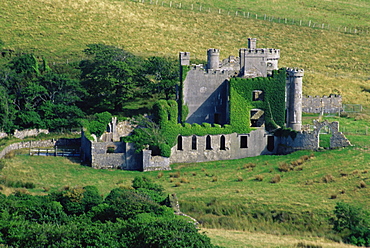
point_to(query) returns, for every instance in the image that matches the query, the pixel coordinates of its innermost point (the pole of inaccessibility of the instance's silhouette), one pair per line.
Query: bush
(284, 167)
(259, 178)
(328, 178)
(362, 184)
(275, 179)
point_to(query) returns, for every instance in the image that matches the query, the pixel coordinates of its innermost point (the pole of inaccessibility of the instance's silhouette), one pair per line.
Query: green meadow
(259, 198)
(334, 62)
(262, 201)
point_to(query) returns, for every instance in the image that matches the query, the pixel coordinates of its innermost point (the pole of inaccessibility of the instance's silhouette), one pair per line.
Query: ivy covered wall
(241, 102)
(273, 103)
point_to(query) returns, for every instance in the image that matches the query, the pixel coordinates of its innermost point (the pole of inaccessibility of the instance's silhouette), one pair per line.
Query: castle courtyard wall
(256, 145)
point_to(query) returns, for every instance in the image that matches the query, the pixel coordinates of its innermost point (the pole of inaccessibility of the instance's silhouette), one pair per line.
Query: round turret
(213, 56)
(294, 98)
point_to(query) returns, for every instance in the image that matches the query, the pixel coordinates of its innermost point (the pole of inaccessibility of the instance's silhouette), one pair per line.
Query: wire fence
(258, 16)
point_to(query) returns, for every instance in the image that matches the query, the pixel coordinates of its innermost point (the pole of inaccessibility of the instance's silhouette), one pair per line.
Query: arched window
(222, 143)
(208, 143)
(179, 143)
(194, 142)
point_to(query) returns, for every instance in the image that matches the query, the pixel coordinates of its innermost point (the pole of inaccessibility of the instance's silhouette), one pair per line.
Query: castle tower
(213, 56)
(294, 98)
(252, 43)
(184, 58)
(257, 62)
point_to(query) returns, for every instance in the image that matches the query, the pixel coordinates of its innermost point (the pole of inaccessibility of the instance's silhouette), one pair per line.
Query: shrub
(328, 178)
(249, 166)
(259, 178)
(214, 179)
(333, 196)
(304, 245)
(177, 184)
(194, 174)
(284, 167)
(275, 179)
(362, 184)
(240, 179)
(184, 180)
(160, 174)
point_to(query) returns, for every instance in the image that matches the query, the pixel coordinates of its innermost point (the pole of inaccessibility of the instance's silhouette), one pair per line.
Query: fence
(55, 152)
(258, 16)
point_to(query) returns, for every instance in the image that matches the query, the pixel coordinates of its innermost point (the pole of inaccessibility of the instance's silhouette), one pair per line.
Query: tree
(164, 75)
(111, 77)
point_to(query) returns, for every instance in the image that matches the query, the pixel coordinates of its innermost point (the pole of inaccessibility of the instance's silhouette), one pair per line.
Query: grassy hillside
(235, 194)
(334, 62)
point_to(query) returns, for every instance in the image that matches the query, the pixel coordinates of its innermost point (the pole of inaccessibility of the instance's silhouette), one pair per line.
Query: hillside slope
(334, 62)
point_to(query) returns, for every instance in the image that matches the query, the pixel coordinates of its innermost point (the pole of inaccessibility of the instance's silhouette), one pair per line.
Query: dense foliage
(352, 223)
(273, 103)
(80, 217)
(36, 95)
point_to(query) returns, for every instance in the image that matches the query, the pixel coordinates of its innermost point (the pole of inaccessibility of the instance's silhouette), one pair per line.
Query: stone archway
(337, 139)
(324, 137)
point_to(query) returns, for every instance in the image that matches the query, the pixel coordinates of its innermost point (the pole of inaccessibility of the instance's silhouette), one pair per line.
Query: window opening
(257, 95)
(270, 143)
(257, 118)
(208, 143)
(194, 142)
(222, 143)
(243, 141)
(179, 143)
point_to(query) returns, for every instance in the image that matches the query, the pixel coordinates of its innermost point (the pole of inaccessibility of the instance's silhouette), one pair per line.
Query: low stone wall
(326, 104)
(309, 140)
(155, 163)
(28, 144)
(39, 143)
(29, 132)
(3, 135)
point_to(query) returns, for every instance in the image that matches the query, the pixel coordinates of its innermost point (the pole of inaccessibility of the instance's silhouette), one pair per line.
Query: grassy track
(334, 62)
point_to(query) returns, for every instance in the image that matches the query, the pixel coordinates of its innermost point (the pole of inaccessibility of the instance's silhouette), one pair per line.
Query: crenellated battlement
(295, 72)
(184, 58)
(261, 51)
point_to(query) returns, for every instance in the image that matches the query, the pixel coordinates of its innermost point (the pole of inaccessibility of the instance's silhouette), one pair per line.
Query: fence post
(248, 15)
(309, 23)
(300, 22)
(170, 4)
(192, 6)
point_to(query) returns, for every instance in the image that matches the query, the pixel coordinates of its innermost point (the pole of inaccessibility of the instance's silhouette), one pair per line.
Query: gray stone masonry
(309, 140)
(255, 143)
(327, 104)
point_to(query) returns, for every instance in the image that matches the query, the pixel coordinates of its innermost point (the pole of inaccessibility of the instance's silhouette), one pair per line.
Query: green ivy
(241, 90)
(273, 104)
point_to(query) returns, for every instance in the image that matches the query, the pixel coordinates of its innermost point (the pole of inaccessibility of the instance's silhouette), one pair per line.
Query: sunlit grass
(334, 62)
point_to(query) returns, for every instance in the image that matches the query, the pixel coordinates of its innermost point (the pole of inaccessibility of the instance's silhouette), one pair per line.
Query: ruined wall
(326, 104)
(34, 144)
(154, 163)
(235, 146)
(29, 132)
(310, 140)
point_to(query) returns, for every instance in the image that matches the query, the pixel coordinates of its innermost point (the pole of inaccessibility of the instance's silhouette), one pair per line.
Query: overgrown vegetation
(80, 217)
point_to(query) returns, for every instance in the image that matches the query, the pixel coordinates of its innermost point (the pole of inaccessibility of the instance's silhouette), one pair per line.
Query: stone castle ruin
(248, 92)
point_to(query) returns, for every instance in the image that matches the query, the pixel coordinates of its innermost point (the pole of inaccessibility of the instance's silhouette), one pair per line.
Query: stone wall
(235, 146)
(205, 93)
(310, 140)
(154, 163)
(327, 104)
(29, 132)
(39, 143)
(28, 144)
(3, 135)
(120, 155)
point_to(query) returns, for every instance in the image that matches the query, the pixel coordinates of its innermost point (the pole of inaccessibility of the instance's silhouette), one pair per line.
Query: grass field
(334, 62)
